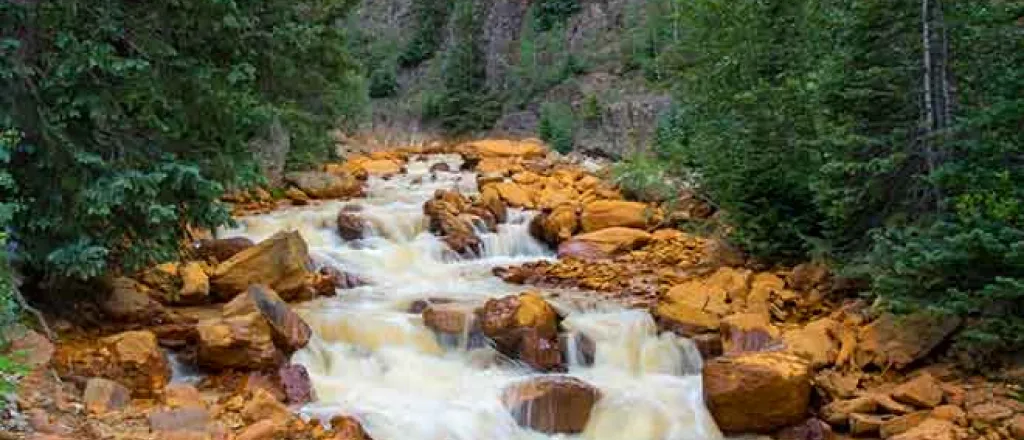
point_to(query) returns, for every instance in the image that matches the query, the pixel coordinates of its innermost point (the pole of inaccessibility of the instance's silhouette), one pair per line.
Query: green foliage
(642, 177)
(824, 126)
(383, 82)
(651, 40)
(431, 19)
(551, 13)
(591, 111)
(134, 116)
(464, 104)
(557, 126)
(544, 61)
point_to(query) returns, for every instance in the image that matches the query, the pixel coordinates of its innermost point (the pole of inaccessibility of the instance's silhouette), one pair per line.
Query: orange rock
(955, 414)
(1016, 427)
(604, 243)
(556, 226)
(899, 341)
(178, 395)
(281, 262)
(607, 213)
(747, 332)
(382, 167)
(296, 383)
(923, 391)
(551, 404)
(261, 430)
(264, 406)
(684, 319)
(815, 342)
(289, 331)
(190, 419)
(240, 342)
(757, 392)
(102, 396)
(839, 411)
(326, 185)
(450, 318)
(901, 424)
(514, 195)
(863, 425)
(491, 148)
(932, 429)
(491, 199)
(222, 249)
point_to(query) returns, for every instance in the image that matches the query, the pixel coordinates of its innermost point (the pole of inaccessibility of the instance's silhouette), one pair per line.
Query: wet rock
(491, 200)
(163, 281)
(812, 429)
(709, 345)
(270, 383)
(325, 185)
(444, 215)
(347, 428)
(747, 332)
(604, 243)
(351, 225)
(886, 403)
(195, 285)
(555, 226)
(281, 262)
(504, 319)
(540, 352)
(898, 425)
(289, 331)
(684, 319)
(551, 404)
(607, 213)
(932, 429)
(923, 392)
(240, 342)
(222, 249)
(295, 381)
(297, 196)
(701, 295)
(815, 342)
(193, 419)
(450, 318)
(757, 392)
(128, 302)
(899, 341)
(440, 167)
(104, 395)
(578, 347)
(264, 406)
(838, 412)
(382, 167)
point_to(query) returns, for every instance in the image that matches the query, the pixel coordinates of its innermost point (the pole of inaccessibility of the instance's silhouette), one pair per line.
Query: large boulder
(514, 195)
(132, 358)
(524, 326)
(451, 318)
(492, 201)
(757, 392)
(684, 319)
(281, 262)
(195, 284)
(290, 332)
(551, 404)
(351, 225)
(744, 332)
(447, 217)
(500, 148)
(898, 341)
(817, 342)
(557, 225)
(325, 185)
(298, 388)
(243, 342)
(607, 213)
(104, 395)
(604, 243)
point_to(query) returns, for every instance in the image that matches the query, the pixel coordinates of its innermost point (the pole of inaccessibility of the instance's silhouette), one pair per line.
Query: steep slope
(573, 71)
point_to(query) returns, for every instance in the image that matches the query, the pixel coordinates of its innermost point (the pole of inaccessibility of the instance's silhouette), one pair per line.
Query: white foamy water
(373, 360)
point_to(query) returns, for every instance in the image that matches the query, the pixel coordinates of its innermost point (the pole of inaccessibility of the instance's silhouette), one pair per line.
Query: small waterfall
(373, 359)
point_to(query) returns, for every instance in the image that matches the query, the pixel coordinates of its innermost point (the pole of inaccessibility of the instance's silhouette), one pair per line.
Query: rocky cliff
(583, 64)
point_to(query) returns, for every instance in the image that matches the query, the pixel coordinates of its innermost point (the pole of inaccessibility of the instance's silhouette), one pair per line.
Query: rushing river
(372, 359)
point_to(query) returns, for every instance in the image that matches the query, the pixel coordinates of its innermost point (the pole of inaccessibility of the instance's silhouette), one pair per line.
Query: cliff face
(615, 110)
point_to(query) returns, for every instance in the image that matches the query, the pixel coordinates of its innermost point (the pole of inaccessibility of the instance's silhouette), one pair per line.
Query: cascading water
(372, 359)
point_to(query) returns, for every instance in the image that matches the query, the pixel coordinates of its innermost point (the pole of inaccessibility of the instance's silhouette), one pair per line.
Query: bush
(644, 178)
(551, 13)
(135, 116)
(383, 83)
(556, 126)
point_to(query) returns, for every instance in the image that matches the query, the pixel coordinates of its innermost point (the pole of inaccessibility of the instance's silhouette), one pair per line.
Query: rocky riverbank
(203, 347)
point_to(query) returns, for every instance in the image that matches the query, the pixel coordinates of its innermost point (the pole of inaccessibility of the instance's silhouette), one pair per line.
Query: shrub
(550, 13)
(556, 126)
(383, 83)
(431, 20)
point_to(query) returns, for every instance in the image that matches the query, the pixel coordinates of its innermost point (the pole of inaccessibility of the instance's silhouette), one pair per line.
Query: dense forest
(883, 137)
